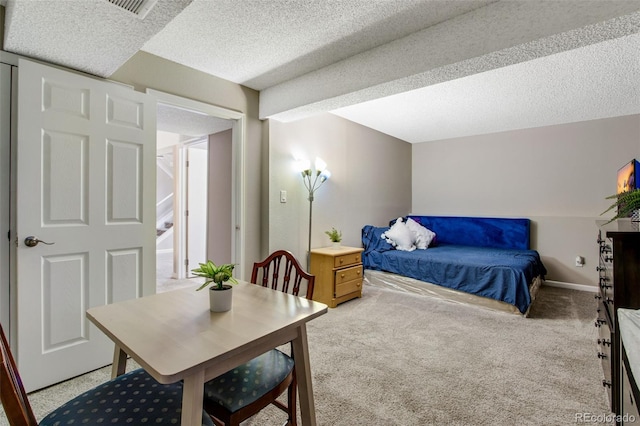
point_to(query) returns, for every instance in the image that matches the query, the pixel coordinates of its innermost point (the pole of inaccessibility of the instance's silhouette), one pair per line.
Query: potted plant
(627, 203)
(335, 236)
(220, 293)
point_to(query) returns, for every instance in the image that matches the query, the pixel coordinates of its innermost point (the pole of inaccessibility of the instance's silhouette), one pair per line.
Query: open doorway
(199, 212)
(182, 210)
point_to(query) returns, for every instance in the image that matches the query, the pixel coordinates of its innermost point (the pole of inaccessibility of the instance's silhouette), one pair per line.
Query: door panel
(124, 274)
(124, 182)
(65, 187)
(64, 276)
(85, 182)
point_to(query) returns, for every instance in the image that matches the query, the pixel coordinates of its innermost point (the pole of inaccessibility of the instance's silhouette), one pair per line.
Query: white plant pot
(220, 300)
(336, 245)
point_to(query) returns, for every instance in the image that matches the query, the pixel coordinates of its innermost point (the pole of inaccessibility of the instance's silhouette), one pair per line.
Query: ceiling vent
(140, 8)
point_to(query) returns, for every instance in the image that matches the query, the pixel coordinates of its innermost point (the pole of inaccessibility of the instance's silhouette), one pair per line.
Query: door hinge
(186, 163)
(186, 262)
(186, 212)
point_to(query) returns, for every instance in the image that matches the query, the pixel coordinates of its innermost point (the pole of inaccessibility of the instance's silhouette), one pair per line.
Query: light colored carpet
(394, 358)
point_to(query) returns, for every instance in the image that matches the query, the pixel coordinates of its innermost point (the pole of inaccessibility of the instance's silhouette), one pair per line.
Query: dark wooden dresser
(619, 281)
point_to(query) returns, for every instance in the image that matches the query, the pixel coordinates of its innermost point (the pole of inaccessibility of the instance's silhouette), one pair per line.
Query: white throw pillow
(400, 236)
(422, 236)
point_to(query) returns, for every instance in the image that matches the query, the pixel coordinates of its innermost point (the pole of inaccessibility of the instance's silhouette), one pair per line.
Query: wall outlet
(579, 261)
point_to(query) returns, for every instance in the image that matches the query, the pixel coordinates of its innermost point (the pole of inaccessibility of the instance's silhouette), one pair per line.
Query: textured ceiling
(416, 69)
(189, 123)
(264, 43)
(93, 36)
(591, 82)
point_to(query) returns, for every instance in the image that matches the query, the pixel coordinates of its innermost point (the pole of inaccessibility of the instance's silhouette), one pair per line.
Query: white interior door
(197, 200)
(85, 182)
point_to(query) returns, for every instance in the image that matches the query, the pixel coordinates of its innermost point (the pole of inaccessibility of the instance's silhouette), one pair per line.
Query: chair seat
(128, 399)
(248, 382)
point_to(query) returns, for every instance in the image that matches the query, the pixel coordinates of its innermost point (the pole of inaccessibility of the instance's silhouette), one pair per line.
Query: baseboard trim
(572, 286)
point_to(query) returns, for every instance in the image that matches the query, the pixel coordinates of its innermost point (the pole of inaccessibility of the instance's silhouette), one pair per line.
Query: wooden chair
(287, 277)
(133, 398)
(266, 377)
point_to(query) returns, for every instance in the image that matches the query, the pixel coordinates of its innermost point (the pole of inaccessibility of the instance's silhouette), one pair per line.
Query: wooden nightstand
(338, 274)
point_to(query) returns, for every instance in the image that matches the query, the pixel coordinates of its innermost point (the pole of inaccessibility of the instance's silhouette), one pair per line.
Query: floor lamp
(312, 181)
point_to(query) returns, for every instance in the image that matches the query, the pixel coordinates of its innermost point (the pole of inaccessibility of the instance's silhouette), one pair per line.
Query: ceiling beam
(495, 36)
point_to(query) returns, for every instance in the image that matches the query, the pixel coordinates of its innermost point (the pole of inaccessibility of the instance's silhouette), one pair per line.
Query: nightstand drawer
(348, 274)
(346, 260)
(348, 287)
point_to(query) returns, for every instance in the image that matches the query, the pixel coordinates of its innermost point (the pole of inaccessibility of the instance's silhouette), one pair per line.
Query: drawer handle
(341, 275)
(602, 356)
(599, 322)
(358, 272)
(606, 383)
(604, 342)
(341, 260)
(358, 284)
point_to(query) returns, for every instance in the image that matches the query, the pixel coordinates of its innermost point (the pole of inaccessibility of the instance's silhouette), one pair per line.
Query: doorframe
(8, 298)
(182, 198)
(238, 166)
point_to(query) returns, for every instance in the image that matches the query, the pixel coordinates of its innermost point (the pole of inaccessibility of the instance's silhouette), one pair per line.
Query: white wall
(370, 181)
(164, 181)
(558, 176)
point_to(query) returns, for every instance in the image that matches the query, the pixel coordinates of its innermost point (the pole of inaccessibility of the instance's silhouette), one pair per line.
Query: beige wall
(220, 197)
(558, 176)
(370, 181)
(144, 71)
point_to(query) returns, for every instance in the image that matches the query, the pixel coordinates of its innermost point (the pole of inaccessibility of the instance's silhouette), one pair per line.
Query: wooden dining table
(174, 336)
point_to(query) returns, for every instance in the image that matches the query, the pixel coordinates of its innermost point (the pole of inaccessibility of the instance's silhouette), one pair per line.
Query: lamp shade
(320, 164)
(326, 174)
(302, 165)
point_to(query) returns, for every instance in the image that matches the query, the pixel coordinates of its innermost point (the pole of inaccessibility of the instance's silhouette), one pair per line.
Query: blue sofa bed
(488, 257)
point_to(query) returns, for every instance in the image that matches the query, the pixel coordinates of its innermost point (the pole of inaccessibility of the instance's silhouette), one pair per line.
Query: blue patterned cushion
(243, 385)
(134, 398)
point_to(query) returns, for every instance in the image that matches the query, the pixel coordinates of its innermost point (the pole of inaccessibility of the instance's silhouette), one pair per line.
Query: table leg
(192, 397)
(119, 365)
(303, 375)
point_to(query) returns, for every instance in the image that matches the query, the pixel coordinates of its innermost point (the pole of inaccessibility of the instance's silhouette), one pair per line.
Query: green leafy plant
(626, 202)
(215, 274)
(334, 235)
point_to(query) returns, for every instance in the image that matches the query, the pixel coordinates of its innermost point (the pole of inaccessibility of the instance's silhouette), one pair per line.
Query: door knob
(32, 241)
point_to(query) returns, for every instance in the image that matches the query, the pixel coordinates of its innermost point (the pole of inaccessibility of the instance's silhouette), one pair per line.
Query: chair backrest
(284, 276)
(14, 398)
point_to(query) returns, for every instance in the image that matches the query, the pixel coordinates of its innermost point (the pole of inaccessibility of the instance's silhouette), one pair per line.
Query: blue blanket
(501, 274)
